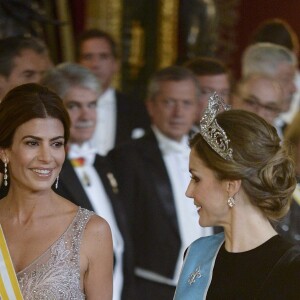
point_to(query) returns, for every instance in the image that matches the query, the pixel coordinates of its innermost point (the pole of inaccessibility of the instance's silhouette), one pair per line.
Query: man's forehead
(285, 69)
(95, 45)
(214, 79)
(175, 85)
(80, 94)
(29, 55)
(30, 52)
(263, 91)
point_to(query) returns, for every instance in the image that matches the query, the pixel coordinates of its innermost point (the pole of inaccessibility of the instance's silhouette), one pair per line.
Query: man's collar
(168, 145)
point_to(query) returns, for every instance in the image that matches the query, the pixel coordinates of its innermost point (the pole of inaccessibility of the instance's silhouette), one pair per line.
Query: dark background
(225, 34)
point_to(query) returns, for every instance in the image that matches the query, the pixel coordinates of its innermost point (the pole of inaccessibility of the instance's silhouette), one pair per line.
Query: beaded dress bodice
(55, 275)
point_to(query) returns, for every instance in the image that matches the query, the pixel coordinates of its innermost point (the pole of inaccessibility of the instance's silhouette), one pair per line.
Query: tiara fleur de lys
(211, 131)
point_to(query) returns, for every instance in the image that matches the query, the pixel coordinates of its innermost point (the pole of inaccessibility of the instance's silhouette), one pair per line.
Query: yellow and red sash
(9, 286)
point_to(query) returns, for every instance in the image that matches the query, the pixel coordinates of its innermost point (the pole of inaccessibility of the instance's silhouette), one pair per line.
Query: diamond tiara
(211, 131)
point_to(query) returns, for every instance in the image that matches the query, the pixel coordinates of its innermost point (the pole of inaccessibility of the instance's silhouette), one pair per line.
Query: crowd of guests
(67, 133)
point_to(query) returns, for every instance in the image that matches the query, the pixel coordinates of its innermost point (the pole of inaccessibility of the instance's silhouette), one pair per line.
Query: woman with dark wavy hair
(242, 178)
(58, 250)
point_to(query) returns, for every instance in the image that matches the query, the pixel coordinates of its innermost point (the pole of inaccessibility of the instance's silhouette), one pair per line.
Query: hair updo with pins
(263, 164)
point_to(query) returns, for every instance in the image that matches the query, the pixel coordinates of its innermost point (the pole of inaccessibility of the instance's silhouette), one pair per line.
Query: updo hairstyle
(263, 164)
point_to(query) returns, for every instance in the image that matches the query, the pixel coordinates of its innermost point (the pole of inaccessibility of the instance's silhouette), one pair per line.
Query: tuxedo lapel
(104, 172)
(131, 114)
(69, 184)
(122, 119)
(103, 169)
(157, 171)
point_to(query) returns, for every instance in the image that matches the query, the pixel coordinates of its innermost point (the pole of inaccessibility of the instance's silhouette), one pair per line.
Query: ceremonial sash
(196, 273)
(9, 286)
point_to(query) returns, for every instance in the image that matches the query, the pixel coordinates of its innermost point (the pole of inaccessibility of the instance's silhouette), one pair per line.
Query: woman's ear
(3, 156)
(233, 186)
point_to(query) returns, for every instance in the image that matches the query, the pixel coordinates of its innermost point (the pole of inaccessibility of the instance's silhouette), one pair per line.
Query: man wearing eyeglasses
(260, 94)
(277, 62)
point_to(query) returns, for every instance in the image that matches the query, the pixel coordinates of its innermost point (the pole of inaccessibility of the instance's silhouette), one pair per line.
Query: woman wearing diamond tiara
(58, 250)
(242, 178)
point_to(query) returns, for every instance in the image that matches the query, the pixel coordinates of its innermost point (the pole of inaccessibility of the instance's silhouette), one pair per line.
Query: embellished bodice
(55, 275)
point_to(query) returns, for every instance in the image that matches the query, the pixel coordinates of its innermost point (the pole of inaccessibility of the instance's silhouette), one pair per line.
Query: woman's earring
(5, 173)
(231, 202)
(56, 183)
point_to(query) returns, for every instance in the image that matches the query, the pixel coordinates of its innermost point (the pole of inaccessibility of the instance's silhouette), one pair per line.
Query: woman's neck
(25, 205)
(248, 229)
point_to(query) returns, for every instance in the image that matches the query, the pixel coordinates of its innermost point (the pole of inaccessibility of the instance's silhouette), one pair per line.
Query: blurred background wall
(151, 34)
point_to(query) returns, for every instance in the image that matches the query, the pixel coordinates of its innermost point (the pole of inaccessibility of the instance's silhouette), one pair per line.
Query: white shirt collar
(85, 150)
(107, 97)
(167, 145)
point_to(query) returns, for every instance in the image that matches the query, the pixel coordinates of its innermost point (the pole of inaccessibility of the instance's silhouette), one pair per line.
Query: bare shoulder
(97, 225)
(97, 259)
(97, 232)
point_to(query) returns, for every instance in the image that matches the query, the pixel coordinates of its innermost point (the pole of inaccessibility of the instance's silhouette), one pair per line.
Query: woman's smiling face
(209, 193)
(37, 154)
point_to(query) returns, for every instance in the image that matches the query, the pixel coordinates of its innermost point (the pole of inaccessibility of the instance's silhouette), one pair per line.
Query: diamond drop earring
(231, 202)
(5, 173)
(56, 183)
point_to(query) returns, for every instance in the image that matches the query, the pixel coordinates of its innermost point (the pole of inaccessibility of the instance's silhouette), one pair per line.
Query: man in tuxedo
(86, 178)
(22, 60)
(153, 175)
(260, 94)
(280, 32)
(213, 76)
(120, 117)
(277, 62)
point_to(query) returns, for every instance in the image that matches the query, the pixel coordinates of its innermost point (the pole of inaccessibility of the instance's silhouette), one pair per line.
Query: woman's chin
(202, 223)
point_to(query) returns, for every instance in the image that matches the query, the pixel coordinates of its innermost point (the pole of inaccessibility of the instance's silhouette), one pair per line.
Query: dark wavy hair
(27, 102)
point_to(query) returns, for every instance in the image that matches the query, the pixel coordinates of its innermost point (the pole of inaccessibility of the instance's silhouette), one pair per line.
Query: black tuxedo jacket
(70, 187)
(149, 202)
(131, 114)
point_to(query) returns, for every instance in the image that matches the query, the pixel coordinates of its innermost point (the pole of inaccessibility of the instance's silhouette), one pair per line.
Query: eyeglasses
(254, 103)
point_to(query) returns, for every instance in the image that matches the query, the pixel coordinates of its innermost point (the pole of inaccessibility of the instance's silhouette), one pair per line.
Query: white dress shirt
(100, 202)
(105, 132)
(176, 158)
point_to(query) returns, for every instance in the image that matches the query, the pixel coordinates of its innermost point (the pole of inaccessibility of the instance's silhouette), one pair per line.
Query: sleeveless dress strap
(196, 273)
